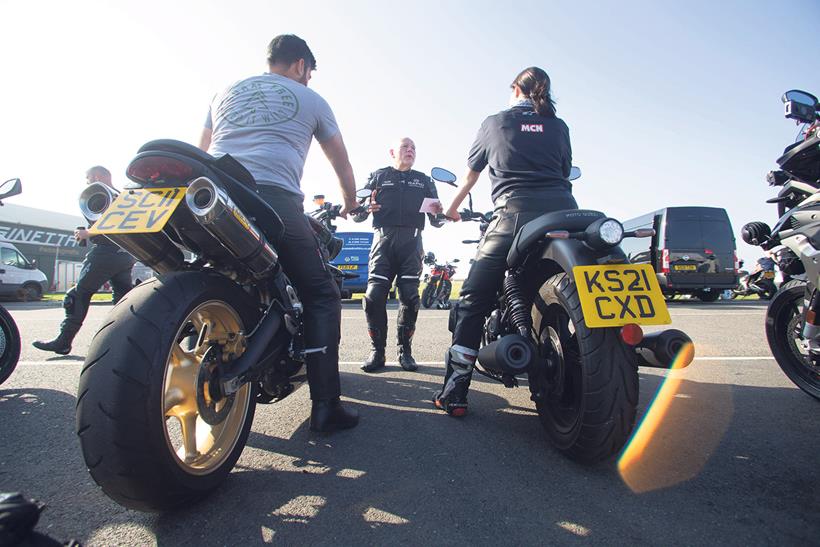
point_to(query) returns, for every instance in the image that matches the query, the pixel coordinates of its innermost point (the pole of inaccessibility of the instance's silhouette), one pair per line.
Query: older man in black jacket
(398, 193)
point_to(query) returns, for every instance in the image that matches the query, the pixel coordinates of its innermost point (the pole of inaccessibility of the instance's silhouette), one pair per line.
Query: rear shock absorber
(520, 318)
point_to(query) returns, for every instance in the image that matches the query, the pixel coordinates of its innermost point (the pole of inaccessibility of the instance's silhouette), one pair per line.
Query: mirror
(11, 187)
(32, 265)
(363, 193)
(442, 175)
(456, 260)
(800, 97)
(574, 173)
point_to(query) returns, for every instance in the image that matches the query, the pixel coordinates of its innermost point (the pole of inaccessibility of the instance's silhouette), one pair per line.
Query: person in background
(105, 262)
(397, 194)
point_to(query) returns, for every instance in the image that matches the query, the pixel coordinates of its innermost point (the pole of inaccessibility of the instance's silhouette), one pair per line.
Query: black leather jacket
(400, 194)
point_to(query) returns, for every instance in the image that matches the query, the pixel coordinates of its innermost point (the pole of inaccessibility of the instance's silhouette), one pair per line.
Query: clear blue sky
(668, 103)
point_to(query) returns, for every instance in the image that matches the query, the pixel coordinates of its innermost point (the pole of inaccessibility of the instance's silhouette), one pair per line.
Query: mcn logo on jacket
(532, 127)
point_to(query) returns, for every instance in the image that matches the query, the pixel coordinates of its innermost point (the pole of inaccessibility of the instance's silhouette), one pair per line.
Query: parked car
(19, 277)
(692, 252)
(353, 258)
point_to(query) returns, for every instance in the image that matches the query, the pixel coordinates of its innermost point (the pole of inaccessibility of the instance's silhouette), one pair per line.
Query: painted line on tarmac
(426, 363)
(717, 313)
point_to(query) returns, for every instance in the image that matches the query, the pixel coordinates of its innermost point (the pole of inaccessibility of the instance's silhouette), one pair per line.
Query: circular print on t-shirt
(259, 104)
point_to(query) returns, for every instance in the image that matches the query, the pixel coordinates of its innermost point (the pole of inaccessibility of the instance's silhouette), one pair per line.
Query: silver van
(19, 278)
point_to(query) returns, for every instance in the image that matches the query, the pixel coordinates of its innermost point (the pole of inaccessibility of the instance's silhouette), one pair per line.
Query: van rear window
(700, 234)
(684, 234)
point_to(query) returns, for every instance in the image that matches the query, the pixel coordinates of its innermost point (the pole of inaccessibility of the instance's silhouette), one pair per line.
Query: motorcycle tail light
(665, 261)
(631, 334)
(811, 317)
(153, 169)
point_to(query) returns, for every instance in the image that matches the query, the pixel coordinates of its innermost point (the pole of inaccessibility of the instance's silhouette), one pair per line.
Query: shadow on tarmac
(730, 464)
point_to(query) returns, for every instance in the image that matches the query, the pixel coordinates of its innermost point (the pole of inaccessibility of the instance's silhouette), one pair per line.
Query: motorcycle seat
(572, 220)
(241, 184)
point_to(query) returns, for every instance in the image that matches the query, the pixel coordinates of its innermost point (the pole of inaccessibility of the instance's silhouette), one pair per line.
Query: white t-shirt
(267, 123)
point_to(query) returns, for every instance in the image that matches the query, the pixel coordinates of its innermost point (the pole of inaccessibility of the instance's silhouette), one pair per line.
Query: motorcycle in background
(760, 283)
(793, 315)
(9, 333)
(439, 283)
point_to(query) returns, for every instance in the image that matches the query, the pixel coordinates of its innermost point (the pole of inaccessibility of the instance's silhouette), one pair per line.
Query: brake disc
(208, 394)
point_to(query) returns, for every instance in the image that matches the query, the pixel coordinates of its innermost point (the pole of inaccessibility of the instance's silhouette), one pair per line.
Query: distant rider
(397, 195)
(105, 261)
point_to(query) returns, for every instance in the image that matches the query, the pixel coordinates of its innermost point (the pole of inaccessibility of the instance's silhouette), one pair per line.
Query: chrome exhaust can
(95, 199)
(156, 250)
(214, 210)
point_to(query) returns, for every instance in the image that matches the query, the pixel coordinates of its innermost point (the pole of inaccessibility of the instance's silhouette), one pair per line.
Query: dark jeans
(98, 267)
(480, 290)
(304, 265)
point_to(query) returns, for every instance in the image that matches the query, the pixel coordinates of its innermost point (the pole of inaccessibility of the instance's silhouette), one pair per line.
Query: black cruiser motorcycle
(568, 318)
(9, 334)
(171, 380)
(793, 316)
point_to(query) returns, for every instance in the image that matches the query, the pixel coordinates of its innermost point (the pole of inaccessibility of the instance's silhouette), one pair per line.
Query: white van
(18, 277)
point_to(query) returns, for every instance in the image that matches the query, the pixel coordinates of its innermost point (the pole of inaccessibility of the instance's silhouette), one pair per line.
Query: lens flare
(657, 409)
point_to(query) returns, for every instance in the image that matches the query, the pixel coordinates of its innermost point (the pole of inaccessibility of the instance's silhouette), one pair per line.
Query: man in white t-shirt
(267, 122)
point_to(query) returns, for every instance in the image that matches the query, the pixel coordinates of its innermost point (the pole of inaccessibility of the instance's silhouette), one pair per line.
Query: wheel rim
(197, 446)
(791, 322)
(558, 346)
(3, 342)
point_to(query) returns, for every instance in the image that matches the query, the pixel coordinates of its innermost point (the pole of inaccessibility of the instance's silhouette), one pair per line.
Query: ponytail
(535, 85)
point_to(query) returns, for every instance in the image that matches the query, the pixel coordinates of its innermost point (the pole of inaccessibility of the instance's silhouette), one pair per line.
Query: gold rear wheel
(200, 446)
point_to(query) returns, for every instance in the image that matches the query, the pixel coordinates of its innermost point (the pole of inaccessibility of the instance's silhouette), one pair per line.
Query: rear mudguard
(565, 254)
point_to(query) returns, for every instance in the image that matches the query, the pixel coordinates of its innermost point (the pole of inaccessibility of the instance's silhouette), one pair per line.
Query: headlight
(611, 232)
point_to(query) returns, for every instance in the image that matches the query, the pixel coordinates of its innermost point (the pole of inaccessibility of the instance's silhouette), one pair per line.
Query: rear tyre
(144, 389)
(587, 380)
(9, 344)
(708, 296)
(428, 295)
(784, 332)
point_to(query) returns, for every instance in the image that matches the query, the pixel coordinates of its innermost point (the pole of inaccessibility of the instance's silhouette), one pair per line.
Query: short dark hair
(288, 49)
(98, 170)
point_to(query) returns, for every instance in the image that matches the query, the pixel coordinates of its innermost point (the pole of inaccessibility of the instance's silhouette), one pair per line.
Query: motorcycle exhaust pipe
(660, 349)
(219, 216)
(510, 354)
(95, 199)
(156, 250)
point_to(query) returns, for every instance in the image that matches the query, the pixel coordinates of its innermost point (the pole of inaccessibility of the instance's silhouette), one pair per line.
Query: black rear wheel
(784, 332)
(587, 378)
(153, 434)
(709, 296)
(9, 344)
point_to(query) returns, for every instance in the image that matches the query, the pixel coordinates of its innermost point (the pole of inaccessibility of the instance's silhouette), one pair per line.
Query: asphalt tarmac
(735, 461)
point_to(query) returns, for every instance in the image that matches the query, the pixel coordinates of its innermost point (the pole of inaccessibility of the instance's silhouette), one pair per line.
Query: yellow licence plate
(348, 267)
(768, 275)
(618, 294)
(685, 267)
(139, 211)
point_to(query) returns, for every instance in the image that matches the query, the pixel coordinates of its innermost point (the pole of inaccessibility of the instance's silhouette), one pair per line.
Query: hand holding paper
(431, 205)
